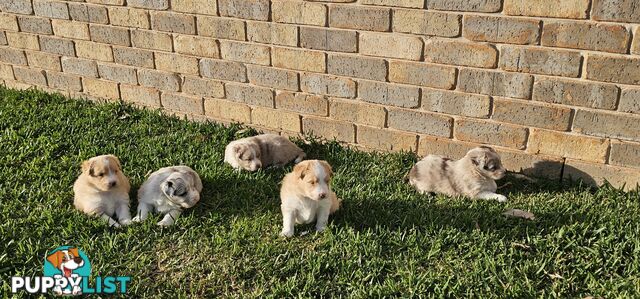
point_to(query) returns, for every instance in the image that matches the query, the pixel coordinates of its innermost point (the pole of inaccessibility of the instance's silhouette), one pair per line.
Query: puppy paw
(286, 234)
(164, 223)
(320, 229)
(116, 225)
(500, 198)
(136, 219)
(125, 222)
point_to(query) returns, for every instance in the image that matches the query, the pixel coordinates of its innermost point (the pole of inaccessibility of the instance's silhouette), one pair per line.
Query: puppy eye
(492, 168)
(100, 174)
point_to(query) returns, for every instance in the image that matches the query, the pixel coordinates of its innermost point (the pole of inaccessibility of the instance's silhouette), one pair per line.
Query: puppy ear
(74, 251)
(327, 168)
(301, 169)
(477, 158)
(56, 258)
(87, 167)
(115, 159)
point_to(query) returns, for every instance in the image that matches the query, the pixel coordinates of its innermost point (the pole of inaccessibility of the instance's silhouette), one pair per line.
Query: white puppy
(255, 152)
(168, 191)
(103, 190)
(473, 176)
(306, 196)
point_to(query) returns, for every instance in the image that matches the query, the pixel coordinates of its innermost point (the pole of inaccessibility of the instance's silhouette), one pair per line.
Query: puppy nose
(323, 195)
(111, 184)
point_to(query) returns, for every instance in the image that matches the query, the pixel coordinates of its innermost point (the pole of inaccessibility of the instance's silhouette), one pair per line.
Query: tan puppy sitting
(253, 153)
(473, 176)
(103, 190)
(306, 196)
(168, 191)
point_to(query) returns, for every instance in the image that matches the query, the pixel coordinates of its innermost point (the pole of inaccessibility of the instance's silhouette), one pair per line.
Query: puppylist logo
(67, 271)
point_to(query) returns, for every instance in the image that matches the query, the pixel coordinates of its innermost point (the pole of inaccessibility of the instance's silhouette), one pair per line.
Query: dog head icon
(66, 260)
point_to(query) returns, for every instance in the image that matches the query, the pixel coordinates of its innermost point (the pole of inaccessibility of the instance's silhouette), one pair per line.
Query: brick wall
(553, 85)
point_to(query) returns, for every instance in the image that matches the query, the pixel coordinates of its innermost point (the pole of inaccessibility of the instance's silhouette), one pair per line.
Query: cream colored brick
(567, 145)
(272, 33)
(302, 103)
(146, 39)
(8, 22)
(197, 46)
(221, 28)
(70, 29)
(44, 60)
(298, 12)
(96, 51)
(145, 96)
(176, 63)
(204, 7)
(275, 119)
(182, 103)
(129, 17)
(390, 45)
(221, 109)
(101, 88)
(302, 60)
(23, 41)
(6, 72)
(386, 139)
(202, 87)
(329, 129)
(245, 52)
(597, 174)
(357, 112)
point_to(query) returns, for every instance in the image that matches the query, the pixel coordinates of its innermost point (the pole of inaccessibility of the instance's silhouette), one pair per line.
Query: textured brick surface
(95, 51)
(117, 73)
(400, 3)
(630, 100)
(355, 66)
(152, 40)
(489, 132)
(298, 12)
(465, 5)
(197, 46)
(625, 153)
(357, 112)
(272, 33)
(110, 35)
(426, 22)
(133, 57)
(44, 60)
(221, 28)
(429, 75)
(244, 52)
(495, 83)
(302, 103)
(385, 139)
(456, 103)
(328, 85)
(176, 63)
(182, 103)
(252, 10)
(501, 30)
(57, 46)
(576, 93)
(590, 36)
(145, 96)
(34, 25)
(64, 81)
(253, 95)
(330, 129)
(328, 39)
(101, 88)
(420, 122)
(222, 109)
(302, 60)
(597, 174)
(460, 53)
(272, 77)
(540, 61)
(360, 17)
(129, 17)
(390, 45)
(205, 7)
(88, 13)
(82, 67)
(159, 80)
(567, 145)
(202, 87)
(616, 10)
(524, 113)
(223, 70)
(173, 22)
(572, 9)
(607, 124)
(276, 119)
(389, 94)
(614, 69)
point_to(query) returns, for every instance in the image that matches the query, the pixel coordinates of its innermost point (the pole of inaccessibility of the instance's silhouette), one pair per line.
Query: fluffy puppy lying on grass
(253, 153)
(306, 196)
(103, 190)
(473, 176)
(168, 191)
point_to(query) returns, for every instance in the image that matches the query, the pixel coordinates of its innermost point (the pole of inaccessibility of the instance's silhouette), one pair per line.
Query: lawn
(386, 241)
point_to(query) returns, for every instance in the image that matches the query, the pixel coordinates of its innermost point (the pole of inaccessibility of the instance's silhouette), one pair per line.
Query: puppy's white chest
(307, 210)
(164, 205)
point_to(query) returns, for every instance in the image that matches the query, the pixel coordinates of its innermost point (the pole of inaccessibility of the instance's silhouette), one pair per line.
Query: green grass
(386, 241)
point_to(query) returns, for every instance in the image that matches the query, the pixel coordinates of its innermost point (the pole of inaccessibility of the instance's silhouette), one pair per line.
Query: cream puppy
(306, 196)
(253, 153)
(473, 176)
(103, 190)
(168, 191)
